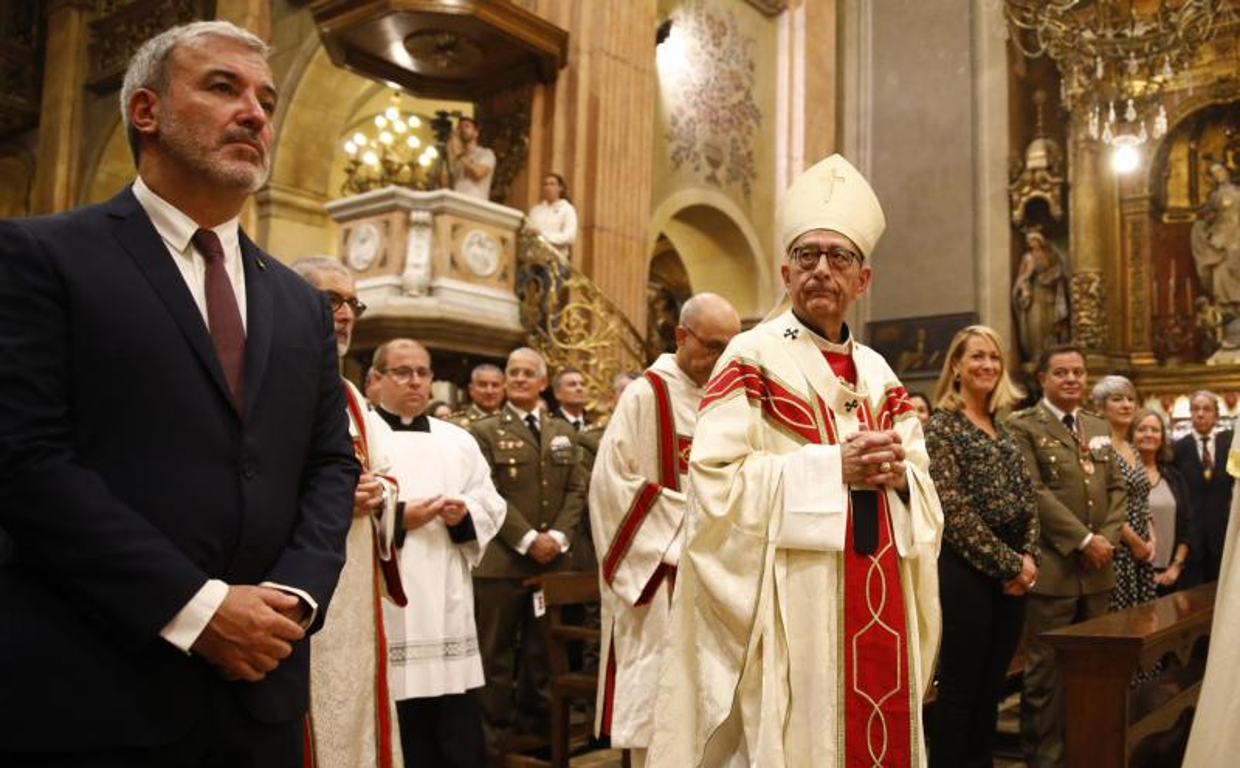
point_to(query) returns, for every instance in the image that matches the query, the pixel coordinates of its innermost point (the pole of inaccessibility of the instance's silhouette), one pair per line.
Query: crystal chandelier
(1116, 57)
(388, 151)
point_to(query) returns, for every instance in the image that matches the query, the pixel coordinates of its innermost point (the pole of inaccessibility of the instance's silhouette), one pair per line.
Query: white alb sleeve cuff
(190, 621)
(815, 500)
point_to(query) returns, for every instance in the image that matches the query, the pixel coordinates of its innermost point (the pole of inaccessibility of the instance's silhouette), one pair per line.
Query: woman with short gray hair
(1115, 398)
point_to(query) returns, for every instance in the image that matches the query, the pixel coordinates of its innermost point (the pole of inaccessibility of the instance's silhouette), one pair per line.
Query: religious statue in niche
(1040, 296)
(1216, 239)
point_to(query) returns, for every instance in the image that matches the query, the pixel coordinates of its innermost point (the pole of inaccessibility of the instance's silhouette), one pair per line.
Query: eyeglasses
(404, 374)
(713, 347)
(840, 260)
(337, 301)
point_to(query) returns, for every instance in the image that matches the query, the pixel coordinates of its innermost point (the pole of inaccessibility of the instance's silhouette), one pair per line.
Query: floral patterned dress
(1134, 581)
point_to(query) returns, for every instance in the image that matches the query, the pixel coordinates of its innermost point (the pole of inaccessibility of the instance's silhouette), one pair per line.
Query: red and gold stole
(878, 707)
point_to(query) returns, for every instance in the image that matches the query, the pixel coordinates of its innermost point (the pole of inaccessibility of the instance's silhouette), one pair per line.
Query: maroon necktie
(223, 316)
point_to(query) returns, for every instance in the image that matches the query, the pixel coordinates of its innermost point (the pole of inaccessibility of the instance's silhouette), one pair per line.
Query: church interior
(1059, 171)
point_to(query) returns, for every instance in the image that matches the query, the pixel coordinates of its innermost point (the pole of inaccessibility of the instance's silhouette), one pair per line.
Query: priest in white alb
(352, 717)
(637, 511)
(450, 511)
(806, 617)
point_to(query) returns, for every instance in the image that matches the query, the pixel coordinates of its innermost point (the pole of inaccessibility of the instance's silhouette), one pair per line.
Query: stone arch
(718, 246)
(109, 168)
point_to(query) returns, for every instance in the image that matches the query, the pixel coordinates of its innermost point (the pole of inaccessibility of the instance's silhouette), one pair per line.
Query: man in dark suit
(176, 472)
(1202, 458)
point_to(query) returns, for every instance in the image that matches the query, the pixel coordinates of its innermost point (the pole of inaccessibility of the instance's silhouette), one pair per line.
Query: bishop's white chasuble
(352, 718)
(433, 642)
(796, 639)
(637, 507)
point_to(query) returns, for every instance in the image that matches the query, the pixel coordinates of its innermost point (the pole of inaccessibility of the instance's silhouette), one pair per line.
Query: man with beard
(176, 472)
(352, 712)
(471, 165)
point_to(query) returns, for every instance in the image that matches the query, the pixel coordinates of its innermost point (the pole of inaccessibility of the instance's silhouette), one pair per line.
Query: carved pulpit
(437, 266)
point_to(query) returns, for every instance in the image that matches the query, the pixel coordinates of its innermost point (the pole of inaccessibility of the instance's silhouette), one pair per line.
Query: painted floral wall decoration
(713, 118)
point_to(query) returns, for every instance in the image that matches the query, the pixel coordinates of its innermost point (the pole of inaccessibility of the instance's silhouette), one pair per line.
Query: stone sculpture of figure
(1040, 297)
(1216, 239)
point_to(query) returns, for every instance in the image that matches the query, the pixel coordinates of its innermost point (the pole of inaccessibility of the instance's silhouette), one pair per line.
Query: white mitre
(832, 195)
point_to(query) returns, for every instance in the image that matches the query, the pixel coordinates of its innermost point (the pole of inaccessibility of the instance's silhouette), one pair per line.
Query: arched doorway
(667, 289)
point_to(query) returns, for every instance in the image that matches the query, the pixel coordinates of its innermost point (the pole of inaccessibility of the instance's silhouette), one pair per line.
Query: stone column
(1091, 194)
(60, 113)
(595, 125)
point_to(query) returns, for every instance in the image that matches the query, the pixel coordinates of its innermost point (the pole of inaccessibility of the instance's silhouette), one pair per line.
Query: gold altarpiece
(1134, 286)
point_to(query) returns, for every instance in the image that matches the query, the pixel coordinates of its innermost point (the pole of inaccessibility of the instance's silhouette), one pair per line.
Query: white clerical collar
(174, 227)
(1059, 414)
(404, 420)
(844, 347)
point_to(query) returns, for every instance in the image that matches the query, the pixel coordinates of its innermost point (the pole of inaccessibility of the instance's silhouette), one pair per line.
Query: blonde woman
(990, 544)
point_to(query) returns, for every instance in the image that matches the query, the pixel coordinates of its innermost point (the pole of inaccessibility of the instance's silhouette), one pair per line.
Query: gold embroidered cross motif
(832, 178)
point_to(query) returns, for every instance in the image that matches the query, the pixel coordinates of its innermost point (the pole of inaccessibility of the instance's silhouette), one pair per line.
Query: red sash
(878, 717)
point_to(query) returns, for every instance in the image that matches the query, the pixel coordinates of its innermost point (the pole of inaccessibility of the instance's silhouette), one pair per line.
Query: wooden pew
(1097, 659)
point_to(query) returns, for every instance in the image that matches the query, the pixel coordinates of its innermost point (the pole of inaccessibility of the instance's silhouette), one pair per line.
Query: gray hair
(530, 352)
(621, 379)
(1112, 385)
(310, 267)
(1208, 394)
(148, 69)
(484, 368)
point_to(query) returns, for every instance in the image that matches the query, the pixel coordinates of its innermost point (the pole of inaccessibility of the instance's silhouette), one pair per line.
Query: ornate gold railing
(570, 321)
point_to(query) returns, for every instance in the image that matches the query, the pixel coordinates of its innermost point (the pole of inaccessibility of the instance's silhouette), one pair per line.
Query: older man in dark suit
(176, 472)
(1201, 456)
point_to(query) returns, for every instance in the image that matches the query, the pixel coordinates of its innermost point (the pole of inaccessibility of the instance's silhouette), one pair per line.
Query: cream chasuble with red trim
(788, 647)
(352, 718)
(637, 505)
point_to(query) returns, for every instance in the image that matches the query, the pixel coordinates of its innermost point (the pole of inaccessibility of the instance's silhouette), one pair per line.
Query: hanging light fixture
(387, 151)
(1114, 61)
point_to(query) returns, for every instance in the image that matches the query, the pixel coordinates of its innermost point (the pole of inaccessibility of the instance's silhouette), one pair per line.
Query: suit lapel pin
(262, 265)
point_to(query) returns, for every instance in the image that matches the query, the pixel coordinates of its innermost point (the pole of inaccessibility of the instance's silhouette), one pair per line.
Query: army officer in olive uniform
(536, 465)
(1081, 506)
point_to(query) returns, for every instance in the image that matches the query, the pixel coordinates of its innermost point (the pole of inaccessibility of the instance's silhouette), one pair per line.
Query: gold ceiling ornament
(388, 151)
(1116, 57)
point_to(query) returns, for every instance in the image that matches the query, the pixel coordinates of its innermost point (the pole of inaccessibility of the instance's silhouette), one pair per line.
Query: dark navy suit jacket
(1211, 503)
(127, 477)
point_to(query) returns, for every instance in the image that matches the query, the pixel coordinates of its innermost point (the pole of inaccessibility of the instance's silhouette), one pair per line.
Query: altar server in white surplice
(637, 507)
(806, 616)
(352, 718)
(450, 512)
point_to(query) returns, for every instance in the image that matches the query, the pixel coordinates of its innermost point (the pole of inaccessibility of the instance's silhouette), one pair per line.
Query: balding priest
(807, 617)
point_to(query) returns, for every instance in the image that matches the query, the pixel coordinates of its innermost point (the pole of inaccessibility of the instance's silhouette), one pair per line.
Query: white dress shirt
(177, 230)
